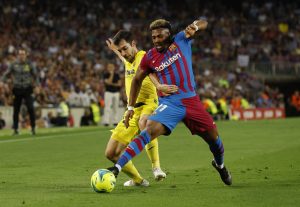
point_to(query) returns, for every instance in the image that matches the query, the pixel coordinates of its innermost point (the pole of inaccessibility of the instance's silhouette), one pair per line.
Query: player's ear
(133, 43)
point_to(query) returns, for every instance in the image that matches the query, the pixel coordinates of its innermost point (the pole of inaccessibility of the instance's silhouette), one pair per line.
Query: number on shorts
(161, 107)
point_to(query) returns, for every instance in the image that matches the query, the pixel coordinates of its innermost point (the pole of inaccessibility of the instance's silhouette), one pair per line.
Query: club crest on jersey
(130, 72)
(169, 62)
(26, 68)
(172, 47)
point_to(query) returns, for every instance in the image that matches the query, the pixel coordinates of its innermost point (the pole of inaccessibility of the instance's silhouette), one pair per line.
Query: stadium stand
(67, 44)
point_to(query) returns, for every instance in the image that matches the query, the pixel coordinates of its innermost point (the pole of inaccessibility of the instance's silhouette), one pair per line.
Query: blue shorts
(189, 110)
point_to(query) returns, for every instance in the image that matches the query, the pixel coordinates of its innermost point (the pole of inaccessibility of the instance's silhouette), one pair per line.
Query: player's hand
(167, 89)
(128, 116)
(200, 24)
(111, 45)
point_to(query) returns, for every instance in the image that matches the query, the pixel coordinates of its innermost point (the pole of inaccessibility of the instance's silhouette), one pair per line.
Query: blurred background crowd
(66, 41)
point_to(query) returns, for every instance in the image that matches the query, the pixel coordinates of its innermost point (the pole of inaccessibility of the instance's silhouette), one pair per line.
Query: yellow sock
(152, 152)
(130, 170)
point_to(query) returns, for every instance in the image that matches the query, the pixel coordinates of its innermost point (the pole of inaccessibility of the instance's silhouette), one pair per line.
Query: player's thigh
(142, 121)
(114, 148)
(146, 111)
(169, 114)
(155, 129)
(125, 135)
(197, 119)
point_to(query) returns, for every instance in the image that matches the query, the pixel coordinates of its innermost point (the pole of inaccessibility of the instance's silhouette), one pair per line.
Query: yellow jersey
(148, 90)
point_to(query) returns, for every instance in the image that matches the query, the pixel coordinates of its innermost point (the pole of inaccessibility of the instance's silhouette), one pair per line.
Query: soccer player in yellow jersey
(125, 48)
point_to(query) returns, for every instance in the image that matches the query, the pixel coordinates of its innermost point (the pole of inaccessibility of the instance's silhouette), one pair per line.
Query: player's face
(126, 50)
(22, 55)
(161, 39)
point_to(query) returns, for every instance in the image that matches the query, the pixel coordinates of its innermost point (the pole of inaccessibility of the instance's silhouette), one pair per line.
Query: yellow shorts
(125, 135)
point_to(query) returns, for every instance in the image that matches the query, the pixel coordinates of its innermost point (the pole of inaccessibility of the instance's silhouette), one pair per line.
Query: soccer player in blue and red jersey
(171, 61)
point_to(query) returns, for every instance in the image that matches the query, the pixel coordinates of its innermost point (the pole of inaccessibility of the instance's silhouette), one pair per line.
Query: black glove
(114, 170)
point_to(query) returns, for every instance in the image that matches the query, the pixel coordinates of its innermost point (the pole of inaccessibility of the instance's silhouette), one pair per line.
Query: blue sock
(217, 149)
(134, 148)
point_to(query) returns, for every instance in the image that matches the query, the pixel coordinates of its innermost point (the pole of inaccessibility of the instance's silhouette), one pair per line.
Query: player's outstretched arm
(199, 24)
(164, 88)
(134, 92)
(113, 47)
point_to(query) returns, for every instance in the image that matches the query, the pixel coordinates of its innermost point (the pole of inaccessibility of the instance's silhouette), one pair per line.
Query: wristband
(194, 23)
(130, 108)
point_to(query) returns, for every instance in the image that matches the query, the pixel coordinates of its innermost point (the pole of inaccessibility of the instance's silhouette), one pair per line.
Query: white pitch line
(44, 137)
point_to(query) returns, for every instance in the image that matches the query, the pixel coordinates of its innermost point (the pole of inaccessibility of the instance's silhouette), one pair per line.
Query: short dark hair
(160, 23)
(123, 35)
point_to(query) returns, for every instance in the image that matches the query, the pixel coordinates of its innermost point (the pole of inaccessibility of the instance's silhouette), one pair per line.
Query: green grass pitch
(54, 168)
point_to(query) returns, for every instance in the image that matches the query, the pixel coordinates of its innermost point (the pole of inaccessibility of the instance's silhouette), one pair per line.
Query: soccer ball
(103, 181)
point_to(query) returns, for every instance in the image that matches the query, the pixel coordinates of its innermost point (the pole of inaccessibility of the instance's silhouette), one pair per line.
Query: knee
(149, 129)
(153, 129)
(142, 123)
(210, 136)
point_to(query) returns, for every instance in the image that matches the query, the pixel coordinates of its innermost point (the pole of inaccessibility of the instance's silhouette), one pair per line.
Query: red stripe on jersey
(181, 78)
(163, 75)
(138, 143)
(185, 68)
(171, 72)
(157, 57)
(130, 151)
(173, 79)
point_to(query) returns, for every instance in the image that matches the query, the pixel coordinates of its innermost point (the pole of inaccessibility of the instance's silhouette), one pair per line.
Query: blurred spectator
(112, 95)
(67, 43)
(2, 121)
(236, 102)
(62, 113)
(86, 119)
(62, 116)
(24, 75)
(295, 101)
(50, 120)
(222, 109)
(40, 121)
(263, 101)
(244, 103)
(71, 120)
(210, 107)
(95, 112)
(74, 98)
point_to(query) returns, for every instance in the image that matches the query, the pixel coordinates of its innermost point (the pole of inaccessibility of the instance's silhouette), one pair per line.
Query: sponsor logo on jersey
(169, 62)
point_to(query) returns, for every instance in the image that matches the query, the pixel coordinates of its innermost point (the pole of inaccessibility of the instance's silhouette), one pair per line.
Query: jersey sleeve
(144, 65)
(180, 36)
